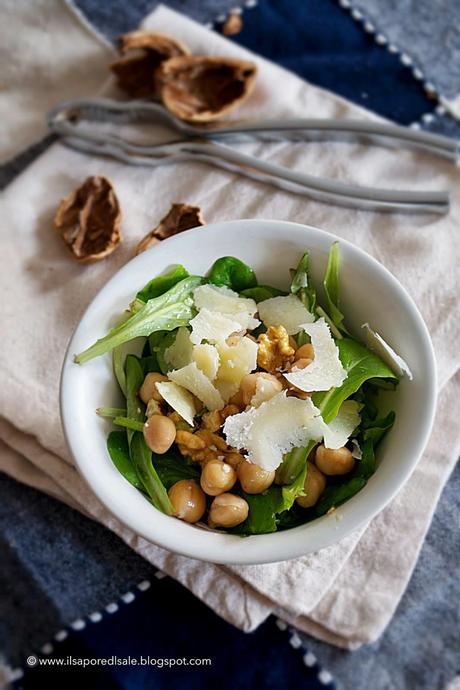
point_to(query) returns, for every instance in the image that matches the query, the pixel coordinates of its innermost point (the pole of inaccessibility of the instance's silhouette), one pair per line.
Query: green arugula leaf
(302, 285)
(158, 286)
(164, 313)
(117, 445)
(332, 287)
(135, 408)
(293, 463)
(361, 364)
(141, 457)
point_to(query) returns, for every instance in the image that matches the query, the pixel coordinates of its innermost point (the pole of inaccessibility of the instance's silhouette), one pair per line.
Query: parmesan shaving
(212, 326)
(287, 311)
(193, 379)
(326, 370)
(337, 432)
(223, 300)
(273, 429)
(236, 360)
(396, 363)
(180, 399)
(207, 359)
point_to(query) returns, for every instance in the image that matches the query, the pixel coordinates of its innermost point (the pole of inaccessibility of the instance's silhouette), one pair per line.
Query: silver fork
(210, 145)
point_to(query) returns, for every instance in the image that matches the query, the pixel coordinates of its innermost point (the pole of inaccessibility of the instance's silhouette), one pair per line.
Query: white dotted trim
(308, 658)
(404, 58)
(80, 623)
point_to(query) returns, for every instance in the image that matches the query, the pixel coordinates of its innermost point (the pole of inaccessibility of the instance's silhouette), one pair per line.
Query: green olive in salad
(247, 408)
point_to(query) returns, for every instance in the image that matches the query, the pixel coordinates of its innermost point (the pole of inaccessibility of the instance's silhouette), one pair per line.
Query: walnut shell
(201, 89)
(180, 217)
(233, 24)
(144, 52)
(88, 220)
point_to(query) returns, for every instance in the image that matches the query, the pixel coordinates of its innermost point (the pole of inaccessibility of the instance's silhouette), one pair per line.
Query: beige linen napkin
(347, 593)
(46, 56)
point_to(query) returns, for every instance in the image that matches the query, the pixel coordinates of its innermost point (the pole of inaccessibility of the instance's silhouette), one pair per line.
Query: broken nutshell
(143, 52)
(202, 89)
(180, 217)
(88, 220)
(232, 25)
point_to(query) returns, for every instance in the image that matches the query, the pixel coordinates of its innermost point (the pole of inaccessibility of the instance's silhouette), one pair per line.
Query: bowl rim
(255, 549)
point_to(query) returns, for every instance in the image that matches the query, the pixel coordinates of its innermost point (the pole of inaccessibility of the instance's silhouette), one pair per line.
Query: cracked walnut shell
(180, 217)
(202, 89)
(88, 220)
(143, 53)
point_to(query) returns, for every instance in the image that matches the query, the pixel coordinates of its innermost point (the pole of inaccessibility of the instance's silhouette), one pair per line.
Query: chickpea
(305, 352)
(188, 500)
(249, 382)
(159, 433)
(148, 390)
(315, 483)
(217, 477)
(253, 478)
(300, 363)
(331, 461)
(227, 510)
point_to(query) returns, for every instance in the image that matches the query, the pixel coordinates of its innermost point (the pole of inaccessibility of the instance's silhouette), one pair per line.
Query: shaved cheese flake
(212, 326)
(326, 370)
(266, 389)
(207, 359)
(357, 453)
(337, 432)
(223, 300)
(396, 363)
(193, 379)
(273, 429)
(246, 321)
(180, 352)
(226, 388)
(287, 311)
(180, 399)
(236, 360)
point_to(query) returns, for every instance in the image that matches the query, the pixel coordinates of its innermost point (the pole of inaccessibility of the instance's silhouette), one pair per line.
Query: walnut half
(180, 217)
(201, 89)
(88, 220)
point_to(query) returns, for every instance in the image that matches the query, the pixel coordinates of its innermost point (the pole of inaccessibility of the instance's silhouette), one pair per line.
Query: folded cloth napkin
(46, 57)
(347, 593)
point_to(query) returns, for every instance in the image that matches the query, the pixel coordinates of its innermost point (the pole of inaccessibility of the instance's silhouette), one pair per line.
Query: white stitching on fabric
(404, 58)
(16, 674)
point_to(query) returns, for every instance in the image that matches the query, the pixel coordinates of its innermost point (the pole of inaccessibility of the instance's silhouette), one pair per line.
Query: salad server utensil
(212, 145)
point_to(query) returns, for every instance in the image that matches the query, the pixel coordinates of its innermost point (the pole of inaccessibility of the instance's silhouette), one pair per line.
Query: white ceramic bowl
(369, 294)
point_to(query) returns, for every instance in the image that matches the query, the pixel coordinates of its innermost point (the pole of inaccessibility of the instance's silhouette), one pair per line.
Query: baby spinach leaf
(233, 273)
(159, 285)
(117, 445)
(366, 467)
(264, 508)
(262, 292)
(302, 285)
(332, 287)
(361, 364)
(172, 467)
(336, 494)
(141, 457)
(164, 313)
(375, 430)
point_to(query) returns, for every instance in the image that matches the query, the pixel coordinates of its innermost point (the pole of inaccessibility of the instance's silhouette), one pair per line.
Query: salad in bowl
(247, 408)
